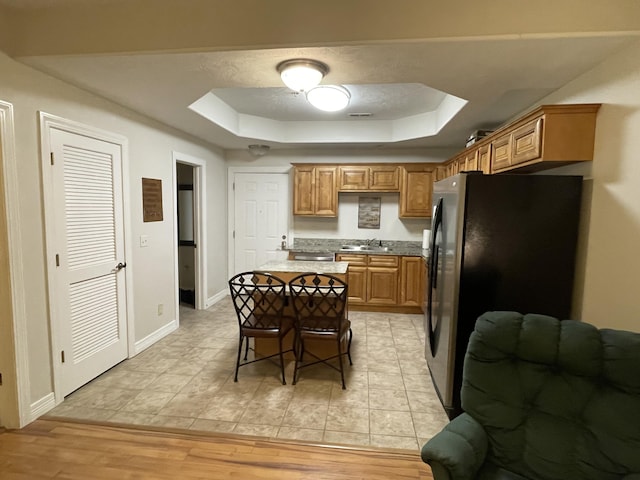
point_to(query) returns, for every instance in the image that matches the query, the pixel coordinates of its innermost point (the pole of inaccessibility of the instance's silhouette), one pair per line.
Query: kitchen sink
(364, 248)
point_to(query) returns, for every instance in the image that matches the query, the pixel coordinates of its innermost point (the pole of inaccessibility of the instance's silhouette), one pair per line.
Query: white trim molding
(153, 337)
(200, 227)
(16, 415)
(216, 298)
(42, 406)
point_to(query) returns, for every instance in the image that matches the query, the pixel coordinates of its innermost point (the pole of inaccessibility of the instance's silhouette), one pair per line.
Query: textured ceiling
(499, 76)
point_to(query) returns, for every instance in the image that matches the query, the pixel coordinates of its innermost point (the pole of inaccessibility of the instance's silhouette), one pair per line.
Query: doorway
(190, 231)
(186, 238)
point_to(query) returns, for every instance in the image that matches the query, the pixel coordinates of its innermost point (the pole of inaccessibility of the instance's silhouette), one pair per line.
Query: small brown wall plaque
(151, 200)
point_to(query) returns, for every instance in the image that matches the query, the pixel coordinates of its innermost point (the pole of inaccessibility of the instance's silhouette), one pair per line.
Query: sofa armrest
(458, 451)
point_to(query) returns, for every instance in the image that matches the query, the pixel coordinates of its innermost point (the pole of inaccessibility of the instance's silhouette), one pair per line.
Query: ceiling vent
(360, 115)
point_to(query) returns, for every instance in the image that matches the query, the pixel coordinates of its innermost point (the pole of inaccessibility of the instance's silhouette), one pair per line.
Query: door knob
(120, 266)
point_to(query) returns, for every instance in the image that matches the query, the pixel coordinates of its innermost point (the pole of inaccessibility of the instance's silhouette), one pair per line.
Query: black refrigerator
(498, 242)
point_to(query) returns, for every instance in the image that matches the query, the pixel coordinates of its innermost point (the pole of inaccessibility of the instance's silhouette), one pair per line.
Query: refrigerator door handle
(433, 276)
(437, 224)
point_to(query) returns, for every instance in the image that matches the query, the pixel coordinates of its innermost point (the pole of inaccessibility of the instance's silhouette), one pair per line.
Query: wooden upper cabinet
(484, 158)
(384, 178)
(470, 161)
(326, 193)
(353, 177)
(526, 142)
(415, 191)
(314, 191)
(378, 178)
(303, 188)
(548, 137)
(501, 152)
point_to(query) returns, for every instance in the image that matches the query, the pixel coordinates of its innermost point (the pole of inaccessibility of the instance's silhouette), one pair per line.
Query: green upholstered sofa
(544, 399)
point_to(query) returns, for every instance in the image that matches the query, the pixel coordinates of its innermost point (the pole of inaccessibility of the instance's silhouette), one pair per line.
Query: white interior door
(89, 307)
(261, 218)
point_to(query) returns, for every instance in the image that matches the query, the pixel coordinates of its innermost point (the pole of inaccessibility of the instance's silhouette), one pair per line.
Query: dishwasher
(313, 256)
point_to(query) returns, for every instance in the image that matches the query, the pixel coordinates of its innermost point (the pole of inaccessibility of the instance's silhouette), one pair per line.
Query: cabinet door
(353, 178)
(384, 178)
(326, 193)
(501, 153)
(303, 194)
(356, 277)
(484, 159)
(471, 161)
(357, 281)
(415, 192)
(411, 281)
(527, 142)
(440, 173)
(382, 285)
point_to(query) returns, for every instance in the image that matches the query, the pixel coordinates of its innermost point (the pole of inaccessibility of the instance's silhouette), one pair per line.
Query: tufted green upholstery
(545, 400)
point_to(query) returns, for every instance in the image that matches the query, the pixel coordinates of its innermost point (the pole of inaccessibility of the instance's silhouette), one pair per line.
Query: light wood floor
(70, 450)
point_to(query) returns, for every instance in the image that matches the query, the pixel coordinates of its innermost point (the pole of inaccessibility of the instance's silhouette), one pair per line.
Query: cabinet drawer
(527, 142)
(383, 261)
(352, 259)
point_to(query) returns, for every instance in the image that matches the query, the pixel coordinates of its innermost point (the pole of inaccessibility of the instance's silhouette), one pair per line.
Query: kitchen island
(286, 270)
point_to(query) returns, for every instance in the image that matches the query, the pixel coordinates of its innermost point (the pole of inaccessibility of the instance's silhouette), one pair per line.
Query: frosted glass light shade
(302, 75)
(329, 98)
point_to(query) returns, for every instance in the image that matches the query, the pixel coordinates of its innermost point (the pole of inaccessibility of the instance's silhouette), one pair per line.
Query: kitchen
(613, 184)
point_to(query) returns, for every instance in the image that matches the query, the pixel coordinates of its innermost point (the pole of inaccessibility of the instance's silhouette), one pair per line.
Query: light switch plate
(144, 240)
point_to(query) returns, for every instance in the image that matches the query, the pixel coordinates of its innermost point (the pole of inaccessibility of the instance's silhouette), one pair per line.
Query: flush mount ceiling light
(301, 75)
(258, 150)
(329, 98)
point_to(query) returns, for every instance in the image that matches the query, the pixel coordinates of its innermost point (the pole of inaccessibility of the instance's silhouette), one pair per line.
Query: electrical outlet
(144, 240)
(160, 309)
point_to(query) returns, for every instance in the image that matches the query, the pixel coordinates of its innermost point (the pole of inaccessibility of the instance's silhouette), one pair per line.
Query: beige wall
(151, 145)
(609, 270)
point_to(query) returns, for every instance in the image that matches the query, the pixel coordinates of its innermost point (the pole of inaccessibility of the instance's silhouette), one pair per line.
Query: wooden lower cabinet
(357, 280)
(384, 282)
(412, 273)
(382, 279)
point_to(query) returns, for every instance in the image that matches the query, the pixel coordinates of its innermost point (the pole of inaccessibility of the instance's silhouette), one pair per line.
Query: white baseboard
(216, 298)
(152, 338)
(42, 406)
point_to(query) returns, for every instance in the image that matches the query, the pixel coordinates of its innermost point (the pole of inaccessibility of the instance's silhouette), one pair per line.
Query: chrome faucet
(373, 240)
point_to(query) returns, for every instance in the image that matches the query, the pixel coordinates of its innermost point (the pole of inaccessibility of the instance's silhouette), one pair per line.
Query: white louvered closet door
(91, 305)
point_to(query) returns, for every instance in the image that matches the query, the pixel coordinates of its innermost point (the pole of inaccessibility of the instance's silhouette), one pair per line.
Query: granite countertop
(305, 266)
(406, 249)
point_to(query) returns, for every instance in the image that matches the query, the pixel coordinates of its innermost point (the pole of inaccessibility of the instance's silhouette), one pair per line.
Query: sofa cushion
(558, 399)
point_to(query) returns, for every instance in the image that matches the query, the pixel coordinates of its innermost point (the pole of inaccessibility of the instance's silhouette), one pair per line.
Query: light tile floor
(186, 381)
